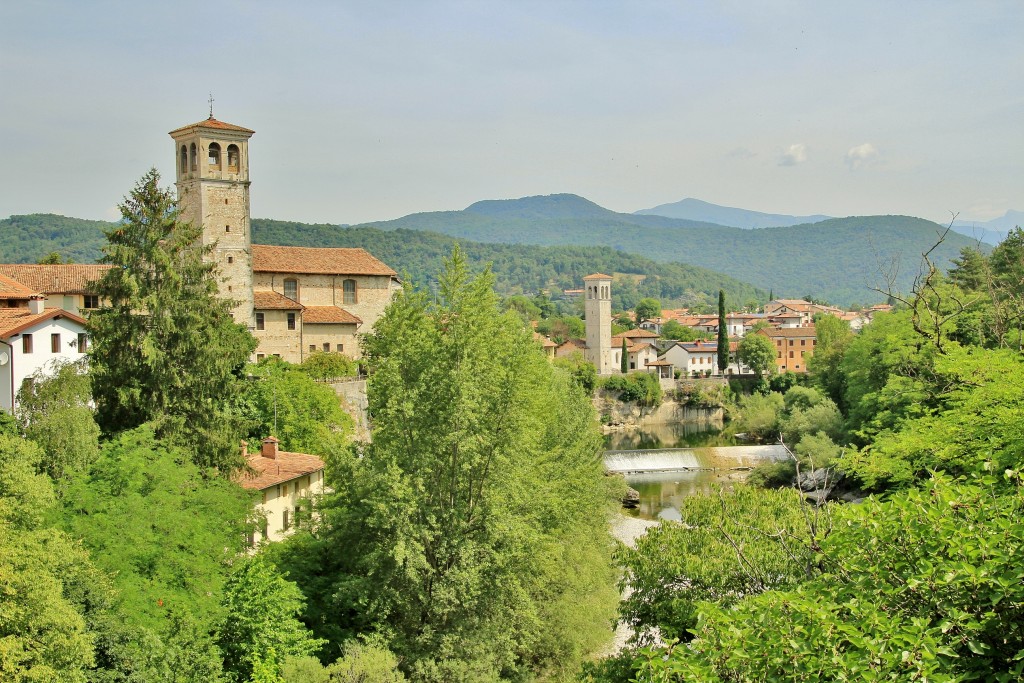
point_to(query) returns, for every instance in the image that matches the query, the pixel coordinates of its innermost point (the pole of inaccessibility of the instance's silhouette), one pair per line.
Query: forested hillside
(26, 239)
(517, 267)
(840, 260)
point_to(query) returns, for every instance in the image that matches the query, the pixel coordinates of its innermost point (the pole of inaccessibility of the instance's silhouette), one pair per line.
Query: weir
(692, 459)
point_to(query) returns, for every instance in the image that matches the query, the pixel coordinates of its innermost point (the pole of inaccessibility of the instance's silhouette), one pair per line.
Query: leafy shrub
(773, 475)
(325, 365)
(638, 387)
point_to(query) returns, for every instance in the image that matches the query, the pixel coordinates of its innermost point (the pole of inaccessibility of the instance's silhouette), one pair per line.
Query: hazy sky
(373, 110)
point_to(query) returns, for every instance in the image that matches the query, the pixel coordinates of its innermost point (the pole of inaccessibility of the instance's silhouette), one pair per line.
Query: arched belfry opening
(193, 160)
(213, 156)
(183, 164)
(233, 158)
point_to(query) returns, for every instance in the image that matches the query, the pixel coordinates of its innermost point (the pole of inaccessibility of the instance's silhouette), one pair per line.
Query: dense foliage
(636, 387)
(471, 535)
(163, 346)
(517, 268)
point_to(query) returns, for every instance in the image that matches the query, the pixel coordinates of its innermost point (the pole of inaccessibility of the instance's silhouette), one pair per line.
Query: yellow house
(286, 482)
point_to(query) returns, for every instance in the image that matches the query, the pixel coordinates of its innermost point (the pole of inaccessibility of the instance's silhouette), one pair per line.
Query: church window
(213, 156)
(184, 159)
(233, 158)
(260, 321)
(291, 321)
(348, 289)
(291, 289)
(193, 161)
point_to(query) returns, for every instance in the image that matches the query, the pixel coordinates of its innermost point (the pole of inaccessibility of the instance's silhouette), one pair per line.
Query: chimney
(245, 449)
(36, 304)
(269, 448)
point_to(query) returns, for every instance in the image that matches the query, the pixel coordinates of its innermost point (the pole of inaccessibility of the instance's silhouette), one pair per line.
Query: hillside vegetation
(840, 259)
(517, 267)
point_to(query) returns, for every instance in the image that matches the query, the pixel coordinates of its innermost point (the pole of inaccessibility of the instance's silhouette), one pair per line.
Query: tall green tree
(723, 334)
(262, 610)
(56, 412)
(472, 533)
(164, 347)
(624, 360)
(757, 352)
(646, 309)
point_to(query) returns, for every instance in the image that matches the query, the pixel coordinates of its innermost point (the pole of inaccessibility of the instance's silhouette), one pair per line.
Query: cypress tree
(723, 334)
(624, 362)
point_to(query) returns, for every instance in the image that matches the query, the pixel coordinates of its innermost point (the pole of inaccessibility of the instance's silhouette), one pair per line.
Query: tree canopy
(165, 348)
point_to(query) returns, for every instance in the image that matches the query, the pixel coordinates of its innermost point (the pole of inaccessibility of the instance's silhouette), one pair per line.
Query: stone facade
(296, 300)
(598, 308)
(212, 161)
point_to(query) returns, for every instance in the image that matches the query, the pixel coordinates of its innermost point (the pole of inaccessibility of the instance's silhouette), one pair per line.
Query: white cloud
(794, 154)
(861, 155)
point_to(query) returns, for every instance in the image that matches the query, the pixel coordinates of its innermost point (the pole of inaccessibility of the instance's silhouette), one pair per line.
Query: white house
(693, 358)
(286, 482)
(33, 339)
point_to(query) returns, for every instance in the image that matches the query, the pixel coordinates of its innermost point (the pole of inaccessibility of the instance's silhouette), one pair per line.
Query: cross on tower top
(211, 105)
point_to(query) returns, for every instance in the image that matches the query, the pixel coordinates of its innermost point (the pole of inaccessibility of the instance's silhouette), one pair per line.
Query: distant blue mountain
(993, 231)
(697, 210)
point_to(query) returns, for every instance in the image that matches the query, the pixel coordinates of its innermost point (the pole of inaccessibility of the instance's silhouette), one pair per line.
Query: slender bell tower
(212, 158)
(598, 309)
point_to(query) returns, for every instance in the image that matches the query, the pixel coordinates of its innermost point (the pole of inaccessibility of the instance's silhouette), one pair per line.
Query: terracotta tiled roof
(316, 261)
(273, 301)
(636, 334)
(12, 289)
(544, 341)
(15, 320)
(315, 315)
(213, 123)
(578, 343)
(809, 332)
(598, 276)
(638, 347)
(286, 466)
(73, 278)
(659, 363)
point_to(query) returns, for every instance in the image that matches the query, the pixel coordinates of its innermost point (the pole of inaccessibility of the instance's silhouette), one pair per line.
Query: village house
(286, 483)
(67, 286)
(33, 339)
(793, 346)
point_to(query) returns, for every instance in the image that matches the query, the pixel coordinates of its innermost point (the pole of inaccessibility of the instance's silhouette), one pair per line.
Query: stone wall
(353, 400)
(615, 413)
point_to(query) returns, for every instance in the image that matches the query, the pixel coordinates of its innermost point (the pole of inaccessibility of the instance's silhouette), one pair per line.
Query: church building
(295, 300)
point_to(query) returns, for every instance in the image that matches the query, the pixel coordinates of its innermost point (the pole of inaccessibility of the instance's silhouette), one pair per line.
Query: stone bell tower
(598, 309)
(212, 158)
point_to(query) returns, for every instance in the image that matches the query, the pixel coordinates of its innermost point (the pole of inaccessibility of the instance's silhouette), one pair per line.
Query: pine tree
(723, 334)
(165, 348)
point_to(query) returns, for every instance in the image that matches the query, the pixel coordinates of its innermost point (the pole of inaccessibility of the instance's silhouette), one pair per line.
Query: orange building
(794, 346)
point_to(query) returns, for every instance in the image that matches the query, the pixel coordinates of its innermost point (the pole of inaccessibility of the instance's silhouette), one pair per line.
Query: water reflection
(661, 493)
(675, 435)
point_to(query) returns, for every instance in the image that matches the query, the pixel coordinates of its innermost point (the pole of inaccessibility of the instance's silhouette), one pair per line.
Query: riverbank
(626, 529)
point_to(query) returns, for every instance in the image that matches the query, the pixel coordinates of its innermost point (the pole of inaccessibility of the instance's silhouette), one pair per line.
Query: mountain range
(843, 260)
(697, 210)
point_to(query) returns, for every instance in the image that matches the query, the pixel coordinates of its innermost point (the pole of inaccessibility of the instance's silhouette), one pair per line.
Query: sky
(374, 110)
